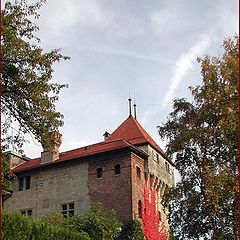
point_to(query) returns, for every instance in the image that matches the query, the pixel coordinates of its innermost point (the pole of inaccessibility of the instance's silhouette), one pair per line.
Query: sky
(148, 48)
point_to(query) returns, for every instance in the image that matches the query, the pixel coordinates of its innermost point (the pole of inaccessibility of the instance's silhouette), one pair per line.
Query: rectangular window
(20, 183)
(28, 182)
(117, 169)
(68, 209)
(167, 167)
(99, 172)
(27, 212)
(138, 172)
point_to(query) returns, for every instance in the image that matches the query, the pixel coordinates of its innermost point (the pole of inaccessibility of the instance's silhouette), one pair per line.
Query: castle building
(120, 172)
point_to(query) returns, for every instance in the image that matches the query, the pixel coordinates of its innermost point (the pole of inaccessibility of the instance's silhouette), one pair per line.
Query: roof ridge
(132, 130)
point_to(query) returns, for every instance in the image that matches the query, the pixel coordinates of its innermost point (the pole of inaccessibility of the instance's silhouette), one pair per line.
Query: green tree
(203, 137)
(99, 225)
(28, 95)
(7, 176)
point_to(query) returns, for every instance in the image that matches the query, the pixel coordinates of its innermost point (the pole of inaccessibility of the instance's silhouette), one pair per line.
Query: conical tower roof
(131, 131)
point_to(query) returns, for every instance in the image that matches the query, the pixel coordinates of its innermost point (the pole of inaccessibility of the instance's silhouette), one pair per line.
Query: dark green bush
(131, 230)
(98, 224)
(19, 227)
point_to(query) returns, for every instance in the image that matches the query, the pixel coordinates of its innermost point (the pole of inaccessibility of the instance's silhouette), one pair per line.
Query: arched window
(117, 169)
(99, 172)
(138, 172)
(140, 209)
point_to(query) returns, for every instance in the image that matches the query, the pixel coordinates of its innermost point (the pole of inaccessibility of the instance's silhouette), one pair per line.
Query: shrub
(19, 227)
(131, 230)
(98, 224)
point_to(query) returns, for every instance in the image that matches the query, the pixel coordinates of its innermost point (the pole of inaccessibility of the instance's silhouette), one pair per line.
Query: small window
(140, 209)
(117, 169)
(28, 182)
(167, 167)
(99, 172)
(68, 209)
(138, 172)
(159, 215)
(27, 212)
(20, 183)
(157, 158)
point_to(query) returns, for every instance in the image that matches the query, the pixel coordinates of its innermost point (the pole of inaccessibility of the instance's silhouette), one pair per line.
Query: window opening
(68, 209)
(140, 209)
(99, 172)
(167, 167)
(27, 212)
(28, 182)
(117, 169)
(138, 172)
(20, 183)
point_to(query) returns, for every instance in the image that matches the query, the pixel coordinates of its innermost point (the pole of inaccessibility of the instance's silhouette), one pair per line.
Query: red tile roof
(133, 132)
(129, 134)
(79, 153)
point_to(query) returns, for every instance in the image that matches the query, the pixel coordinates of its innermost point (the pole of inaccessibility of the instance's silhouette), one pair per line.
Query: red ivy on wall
(152, 227)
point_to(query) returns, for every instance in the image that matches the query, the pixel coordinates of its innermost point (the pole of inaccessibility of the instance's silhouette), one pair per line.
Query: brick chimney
(51, 154)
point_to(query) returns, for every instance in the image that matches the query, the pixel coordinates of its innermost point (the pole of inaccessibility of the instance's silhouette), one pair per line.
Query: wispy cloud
(74, 13)
(162, 18)
(183, 65)
(126, 53)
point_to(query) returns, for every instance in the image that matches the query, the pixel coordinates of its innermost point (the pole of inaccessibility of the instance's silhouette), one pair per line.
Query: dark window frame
(20, 183)
(27, 212)
(68, 209)
(140, 208)
(99, 173)
(138, 170)
(27, 182)
(117, 169)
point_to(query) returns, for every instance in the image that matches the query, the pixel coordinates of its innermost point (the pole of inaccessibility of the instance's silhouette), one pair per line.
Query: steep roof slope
(86, 151)
(134, 133)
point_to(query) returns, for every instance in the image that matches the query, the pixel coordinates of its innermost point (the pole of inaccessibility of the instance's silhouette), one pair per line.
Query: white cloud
(180, 69)
(161, 19)
(71, 14)
(183, 65)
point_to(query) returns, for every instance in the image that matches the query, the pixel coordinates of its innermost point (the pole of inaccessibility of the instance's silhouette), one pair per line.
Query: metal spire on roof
(135, 107)
(130, 105)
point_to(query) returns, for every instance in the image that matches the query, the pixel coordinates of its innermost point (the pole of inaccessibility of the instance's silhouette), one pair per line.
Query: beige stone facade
(50, 188)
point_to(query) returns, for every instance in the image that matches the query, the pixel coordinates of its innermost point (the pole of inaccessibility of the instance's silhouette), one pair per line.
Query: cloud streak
(183, 65)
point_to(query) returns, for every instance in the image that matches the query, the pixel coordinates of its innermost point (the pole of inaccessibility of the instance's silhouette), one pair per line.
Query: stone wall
(50, 187)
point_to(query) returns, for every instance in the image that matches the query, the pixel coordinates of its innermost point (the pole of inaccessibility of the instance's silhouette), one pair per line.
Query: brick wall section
(112, 191)
(137, 183)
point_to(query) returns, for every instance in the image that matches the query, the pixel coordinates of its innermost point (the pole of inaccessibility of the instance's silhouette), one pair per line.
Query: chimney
(106, 135)
(51, 153)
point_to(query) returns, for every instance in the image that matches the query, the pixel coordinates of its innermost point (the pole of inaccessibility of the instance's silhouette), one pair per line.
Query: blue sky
(147, 47)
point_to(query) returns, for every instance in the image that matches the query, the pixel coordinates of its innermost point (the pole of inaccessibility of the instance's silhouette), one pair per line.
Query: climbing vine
(153, 228)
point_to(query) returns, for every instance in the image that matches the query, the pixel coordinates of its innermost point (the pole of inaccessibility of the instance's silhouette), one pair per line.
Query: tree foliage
(28, 95)
(203, 137)
(98, 224)
(7, 175)
(18, 227)
(131, 230)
